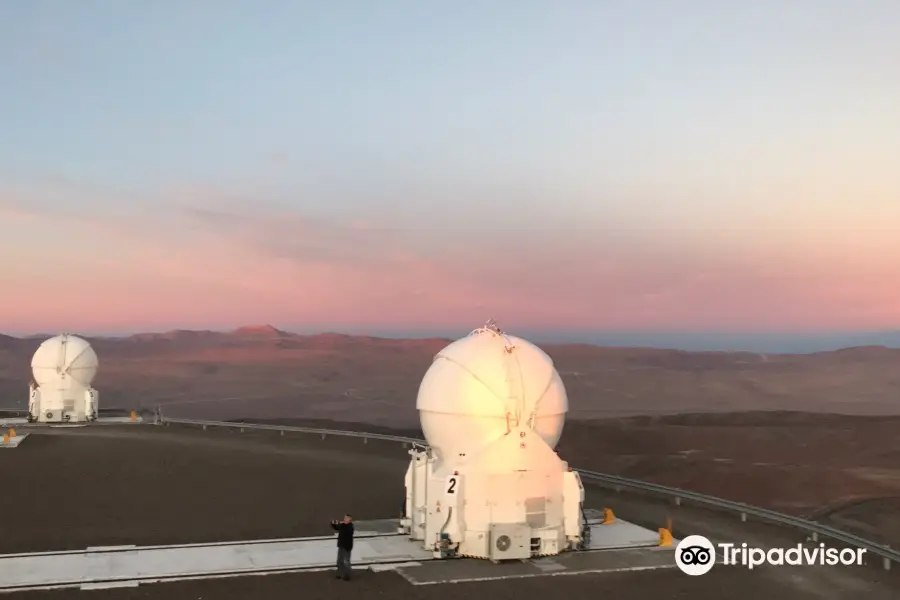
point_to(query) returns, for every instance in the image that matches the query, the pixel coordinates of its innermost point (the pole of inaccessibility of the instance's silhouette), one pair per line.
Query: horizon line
(703, 341)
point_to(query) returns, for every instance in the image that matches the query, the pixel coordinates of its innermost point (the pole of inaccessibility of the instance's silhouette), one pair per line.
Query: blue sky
(758, 136)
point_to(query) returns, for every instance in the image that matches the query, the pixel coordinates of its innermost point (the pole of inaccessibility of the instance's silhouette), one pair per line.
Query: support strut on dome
(489, 327)
(494, 329)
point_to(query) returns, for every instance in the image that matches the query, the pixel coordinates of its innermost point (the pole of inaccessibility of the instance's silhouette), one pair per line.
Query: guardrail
(286, 428)
(887, 554)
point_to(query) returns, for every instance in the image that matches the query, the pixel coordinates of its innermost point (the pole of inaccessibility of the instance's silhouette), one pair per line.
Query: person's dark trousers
(344, 570)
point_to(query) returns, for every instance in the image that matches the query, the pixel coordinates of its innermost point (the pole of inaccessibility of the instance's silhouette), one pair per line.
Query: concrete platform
(621, 534)
(575, 563)
(103, 420)
(377, 527)
(110, 567)
(377, 545)
(14, 441)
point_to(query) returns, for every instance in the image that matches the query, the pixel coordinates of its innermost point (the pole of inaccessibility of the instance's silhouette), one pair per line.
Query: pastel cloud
(202, 257)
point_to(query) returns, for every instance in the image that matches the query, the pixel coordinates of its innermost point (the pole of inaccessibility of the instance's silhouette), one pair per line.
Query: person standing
(344, 528)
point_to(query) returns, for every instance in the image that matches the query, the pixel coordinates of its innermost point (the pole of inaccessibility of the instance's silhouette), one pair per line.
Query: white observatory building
(490, 485)
(63, 368)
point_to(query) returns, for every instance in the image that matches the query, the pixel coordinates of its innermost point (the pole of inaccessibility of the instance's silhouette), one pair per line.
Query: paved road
(134, 484)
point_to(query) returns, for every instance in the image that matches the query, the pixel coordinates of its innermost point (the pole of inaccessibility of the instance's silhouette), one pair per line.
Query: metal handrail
(887, 553)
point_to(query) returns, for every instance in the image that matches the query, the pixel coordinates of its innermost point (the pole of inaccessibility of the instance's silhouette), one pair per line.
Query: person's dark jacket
(345, 535)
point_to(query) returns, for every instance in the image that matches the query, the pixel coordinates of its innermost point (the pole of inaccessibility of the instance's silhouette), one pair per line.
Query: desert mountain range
(263, 372)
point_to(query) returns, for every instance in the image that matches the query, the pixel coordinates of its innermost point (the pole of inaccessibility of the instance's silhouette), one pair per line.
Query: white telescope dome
(64, 360)
(483, 386)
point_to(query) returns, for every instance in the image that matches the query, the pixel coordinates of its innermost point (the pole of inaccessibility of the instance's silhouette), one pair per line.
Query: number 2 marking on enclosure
(451, 485)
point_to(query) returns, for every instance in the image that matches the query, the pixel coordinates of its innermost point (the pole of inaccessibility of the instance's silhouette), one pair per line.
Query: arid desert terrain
(261, 372)
(807, 434)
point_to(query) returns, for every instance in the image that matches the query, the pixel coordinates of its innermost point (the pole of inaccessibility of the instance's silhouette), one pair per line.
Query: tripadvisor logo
(696, 555)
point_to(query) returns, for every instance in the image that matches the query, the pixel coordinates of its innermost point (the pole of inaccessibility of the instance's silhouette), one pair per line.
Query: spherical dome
(480, 387)
(64, 359)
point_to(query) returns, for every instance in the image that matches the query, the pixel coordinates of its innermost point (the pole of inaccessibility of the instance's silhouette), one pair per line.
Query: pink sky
(217, 262)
